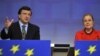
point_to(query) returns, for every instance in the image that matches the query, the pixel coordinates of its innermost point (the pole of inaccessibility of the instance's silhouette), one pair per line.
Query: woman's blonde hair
(88, 14)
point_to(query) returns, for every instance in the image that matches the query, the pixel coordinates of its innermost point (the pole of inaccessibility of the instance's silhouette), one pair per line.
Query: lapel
(28, 31)
(19, 31)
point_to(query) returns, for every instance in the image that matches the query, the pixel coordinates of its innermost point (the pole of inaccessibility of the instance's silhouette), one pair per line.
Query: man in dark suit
(22, 29)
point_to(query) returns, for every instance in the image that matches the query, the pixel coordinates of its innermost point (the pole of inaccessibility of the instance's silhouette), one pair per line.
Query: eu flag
(87, 48)
(25, 48)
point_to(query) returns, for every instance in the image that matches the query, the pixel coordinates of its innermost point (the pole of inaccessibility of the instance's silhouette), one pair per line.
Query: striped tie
(23, 32)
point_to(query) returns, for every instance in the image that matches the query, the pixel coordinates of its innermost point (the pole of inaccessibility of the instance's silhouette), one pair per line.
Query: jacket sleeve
(4, 35)
(37, 33)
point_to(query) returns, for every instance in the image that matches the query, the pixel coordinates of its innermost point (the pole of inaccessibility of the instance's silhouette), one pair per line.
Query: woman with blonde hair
(88, 33)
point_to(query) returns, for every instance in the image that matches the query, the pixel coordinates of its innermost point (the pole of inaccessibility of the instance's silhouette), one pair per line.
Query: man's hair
(24, 8)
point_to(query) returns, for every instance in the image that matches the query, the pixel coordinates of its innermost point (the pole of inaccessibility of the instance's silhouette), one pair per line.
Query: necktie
(23, 32)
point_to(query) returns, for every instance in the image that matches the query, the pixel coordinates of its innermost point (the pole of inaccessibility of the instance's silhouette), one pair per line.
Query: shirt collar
(21, 24)
(90, 32)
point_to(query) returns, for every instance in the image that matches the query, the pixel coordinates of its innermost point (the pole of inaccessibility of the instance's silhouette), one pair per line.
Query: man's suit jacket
(14, 32)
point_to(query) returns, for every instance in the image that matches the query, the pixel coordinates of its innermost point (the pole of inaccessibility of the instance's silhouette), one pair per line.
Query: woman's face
(88, 22)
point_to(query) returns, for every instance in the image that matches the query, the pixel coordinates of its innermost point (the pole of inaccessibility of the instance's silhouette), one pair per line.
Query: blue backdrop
(58, 19)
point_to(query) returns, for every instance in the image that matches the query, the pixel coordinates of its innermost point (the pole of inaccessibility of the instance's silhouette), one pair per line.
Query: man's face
(88, 22)
(25, 16)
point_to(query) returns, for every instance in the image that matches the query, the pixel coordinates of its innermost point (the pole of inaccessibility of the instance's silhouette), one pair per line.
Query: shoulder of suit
(30, 25)
(14, 24)
(33, 25)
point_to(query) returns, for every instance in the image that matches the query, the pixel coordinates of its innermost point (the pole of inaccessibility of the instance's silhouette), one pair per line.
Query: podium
(25, 48)
(61, 50)
(87, 48)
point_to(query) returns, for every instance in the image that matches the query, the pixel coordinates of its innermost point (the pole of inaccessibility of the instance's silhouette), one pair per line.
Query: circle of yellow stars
(91, 50)
(15, 48)
(77, 52)
(29, 52)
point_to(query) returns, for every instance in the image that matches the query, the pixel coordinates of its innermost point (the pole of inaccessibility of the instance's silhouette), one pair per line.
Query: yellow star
(29, 52)
(14, 48)
(92, 49)
(0, 51)
(77, 52)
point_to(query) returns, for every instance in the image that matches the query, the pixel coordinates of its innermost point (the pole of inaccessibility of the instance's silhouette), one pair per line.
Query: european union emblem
(25, 48)
(87, 48)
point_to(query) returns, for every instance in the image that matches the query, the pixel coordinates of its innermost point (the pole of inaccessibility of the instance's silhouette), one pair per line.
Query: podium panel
(25, 48)
(87, 48)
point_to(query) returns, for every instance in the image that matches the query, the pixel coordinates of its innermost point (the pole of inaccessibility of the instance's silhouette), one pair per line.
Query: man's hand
(8, 22)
